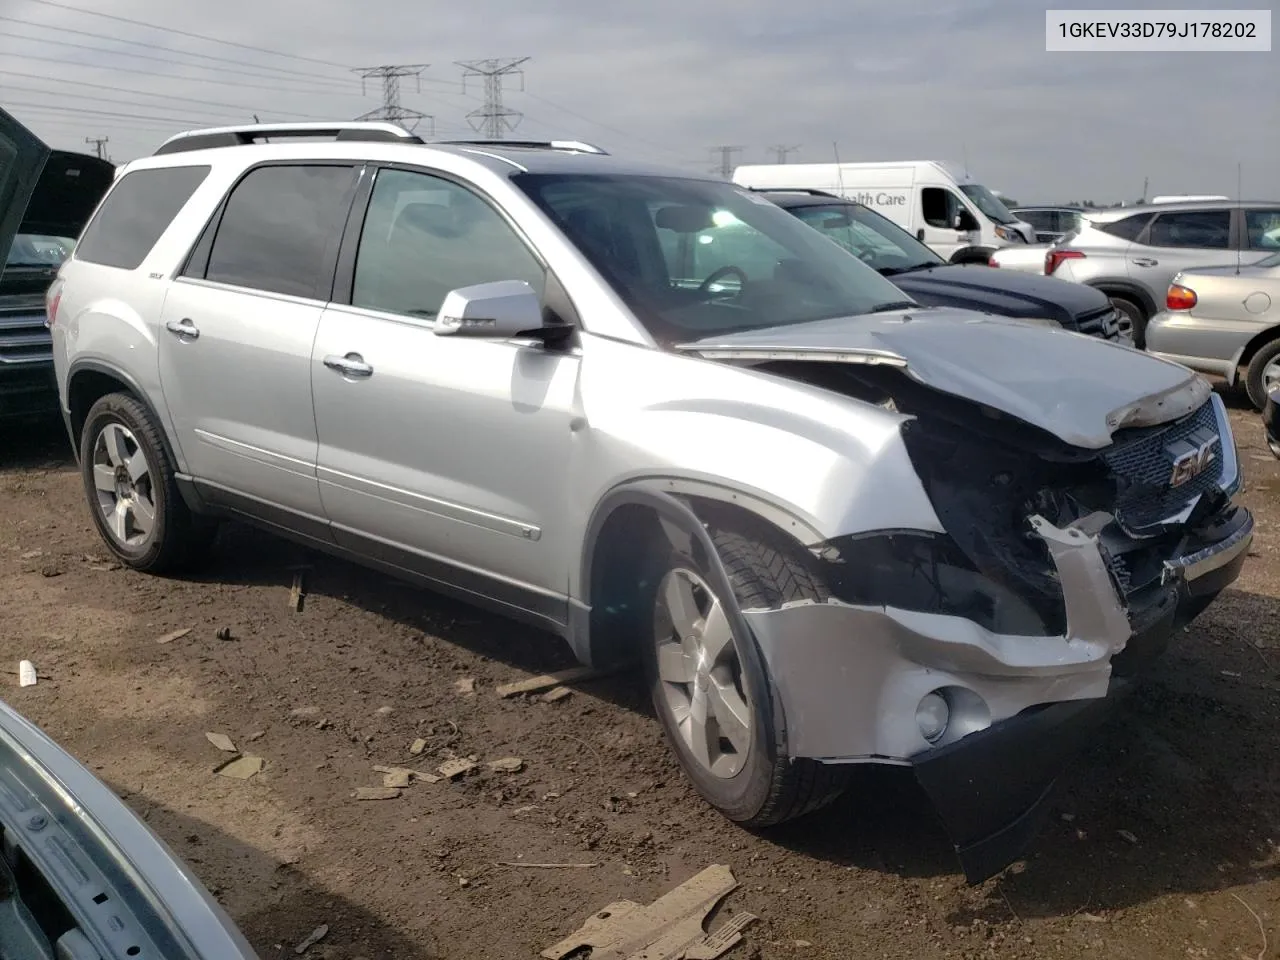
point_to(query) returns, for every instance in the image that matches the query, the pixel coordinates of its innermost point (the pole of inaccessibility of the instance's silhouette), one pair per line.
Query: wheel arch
(613, 555)
(90, 380)
(1129, 290)
(972, 254)
(1250, 349)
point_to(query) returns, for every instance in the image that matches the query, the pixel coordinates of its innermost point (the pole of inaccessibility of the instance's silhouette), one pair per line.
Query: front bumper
(849, 679)
(27, 390)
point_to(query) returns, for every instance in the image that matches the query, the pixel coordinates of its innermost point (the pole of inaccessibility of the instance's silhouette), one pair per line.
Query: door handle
(351, 365)
(1145, 262)
(184, 328)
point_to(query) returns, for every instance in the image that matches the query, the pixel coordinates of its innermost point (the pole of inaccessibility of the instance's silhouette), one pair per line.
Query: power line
(99, 146)
(180, 63)
(186, 33)
(125, 103)
(141, 93)
(221, 81)
(725, 166)
(780, 152)
(184, 121)
(391, 108)
(493, 119)
(157, 46)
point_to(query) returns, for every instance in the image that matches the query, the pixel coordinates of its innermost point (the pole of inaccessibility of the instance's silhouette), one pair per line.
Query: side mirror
(498, 310)
(964, 221)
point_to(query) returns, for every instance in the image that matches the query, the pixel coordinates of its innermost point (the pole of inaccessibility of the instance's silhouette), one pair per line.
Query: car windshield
(38, 250)
(988, 203)
(876, 241)
(697, 258)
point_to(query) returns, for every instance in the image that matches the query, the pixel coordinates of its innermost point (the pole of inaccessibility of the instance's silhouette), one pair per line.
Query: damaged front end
(986, 656)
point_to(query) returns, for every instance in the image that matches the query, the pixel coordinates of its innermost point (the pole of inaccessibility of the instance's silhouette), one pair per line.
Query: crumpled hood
(1079, 388)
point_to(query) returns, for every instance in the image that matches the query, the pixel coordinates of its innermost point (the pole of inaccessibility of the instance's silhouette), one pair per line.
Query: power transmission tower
(99, 146)
(780, 152)
(391, 109)
(725, 167)
(494, 119)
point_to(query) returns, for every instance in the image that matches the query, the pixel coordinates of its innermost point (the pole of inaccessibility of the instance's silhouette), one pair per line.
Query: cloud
(667, 80)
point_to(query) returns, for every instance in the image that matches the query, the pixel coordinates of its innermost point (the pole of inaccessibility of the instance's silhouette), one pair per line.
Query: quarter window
(1126, 228)
(1201, 229)
(136, 212)
(277, 226)
(424, 236)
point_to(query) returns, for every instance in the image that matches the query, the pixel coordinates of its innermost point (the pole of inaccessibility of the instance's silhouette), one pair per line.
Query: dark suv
(67, 188)
(930, 280)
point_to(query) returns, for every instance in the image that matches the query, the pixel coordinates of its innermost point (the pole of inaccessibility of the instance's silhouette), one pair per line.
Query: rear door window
(136, 212)
(1194, 229)
(1262, 228)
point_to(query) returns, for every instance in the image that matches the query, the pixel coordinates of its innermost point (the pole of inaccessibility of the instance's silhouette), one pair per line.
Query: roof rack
(572, 146)
(359, 130)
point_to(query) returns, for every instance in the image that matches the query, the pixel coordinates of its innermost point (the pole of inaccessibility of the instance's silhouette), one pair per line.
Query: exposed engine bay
(988, 473)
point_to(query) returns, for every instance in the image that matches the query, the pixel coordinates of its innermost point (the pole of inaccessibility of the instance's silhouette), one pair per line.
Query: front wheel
(1133, 322)
(708, 694)
(131, 489)
(1263, 374)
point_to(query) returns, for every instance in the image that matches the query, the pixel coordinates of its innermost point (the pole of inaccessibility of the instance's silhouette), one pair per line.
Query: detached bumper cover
(125, 890)
(849, 679)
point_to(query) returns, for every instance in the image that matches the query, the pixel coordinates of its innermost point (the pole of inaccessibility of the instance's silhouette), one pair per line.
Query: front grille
(1104, 323)
(1144, 464)
(24, 339)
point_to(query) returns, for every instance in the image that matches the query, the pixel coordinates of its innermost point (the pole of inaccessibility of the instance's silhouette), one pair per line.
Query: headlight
(1009, 235)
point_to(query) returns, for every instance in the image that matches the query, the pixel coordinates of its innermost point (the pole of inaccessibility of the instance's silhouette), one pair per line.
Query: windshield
(876, 241)
(698, 258)
(39, 250)
(988, 203)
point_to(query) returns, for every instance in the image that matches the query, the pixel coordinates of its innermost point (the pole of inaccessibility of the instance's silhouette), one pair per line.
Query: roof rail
(362, 130)
(572, 146)
(810, 191)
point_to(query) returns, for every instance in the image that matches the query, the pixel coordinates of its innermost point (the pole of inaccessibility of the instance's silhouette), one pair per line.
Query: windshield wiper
(895, 271)
(893, 305)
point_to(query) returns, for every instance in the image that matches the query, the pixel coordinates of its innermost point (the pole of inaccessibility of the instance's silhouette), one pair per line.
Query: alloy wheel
(701, 673)
(123, 485)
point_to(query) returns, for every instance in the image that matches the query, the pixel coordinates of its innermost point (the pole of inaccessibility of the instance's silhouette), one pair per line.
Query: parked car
(938, 204)
(1023, 258)
(1133, 253)
(930, 280)
(68, 187)
(83, 877)
(1051, 224)
(833, 526)
(1221, 319)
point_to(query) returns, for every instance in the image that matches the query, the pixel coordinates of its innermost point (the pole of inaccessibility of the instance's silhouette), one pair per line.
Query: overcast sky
(961, 80)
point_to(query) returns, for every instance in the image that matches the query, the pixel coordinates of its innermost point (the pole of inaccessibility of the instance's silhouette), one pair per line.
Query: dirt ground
(1161, 844)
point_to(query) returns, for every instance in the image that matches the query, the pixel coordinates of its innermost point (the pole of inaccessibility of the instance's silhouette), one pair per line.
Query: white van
(962, 221)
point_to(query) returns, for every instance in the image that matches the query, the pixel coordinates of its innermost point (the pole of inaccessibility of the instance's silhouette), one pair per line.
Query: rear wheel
(708, 694)
(1263, 374)
(1133, 321)
(131, 489)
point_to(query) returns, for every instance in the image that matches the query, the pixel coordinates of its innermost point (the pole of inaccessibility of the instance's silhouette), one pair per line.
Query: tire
(758, 786)
(1257, 375)
(1135, 316)
(135, 503)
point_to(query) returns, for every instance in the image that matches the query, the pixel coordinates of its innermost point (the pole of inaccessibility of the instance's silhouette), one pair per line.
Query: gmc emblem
(1189, 465)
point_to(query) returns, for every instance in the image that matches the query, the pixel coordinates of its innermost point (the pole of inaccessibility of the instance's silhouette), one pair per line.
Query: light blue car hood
(1079, 388)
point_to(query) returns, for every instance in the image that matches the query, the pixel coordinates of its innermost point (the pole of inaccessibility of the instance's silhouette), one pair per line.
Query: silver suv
(835, 526)
(1132, 254)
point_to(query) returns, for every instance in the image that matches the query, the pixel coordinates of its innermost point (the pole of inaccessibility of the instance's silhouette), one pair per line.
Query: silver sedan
(1221, 319)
